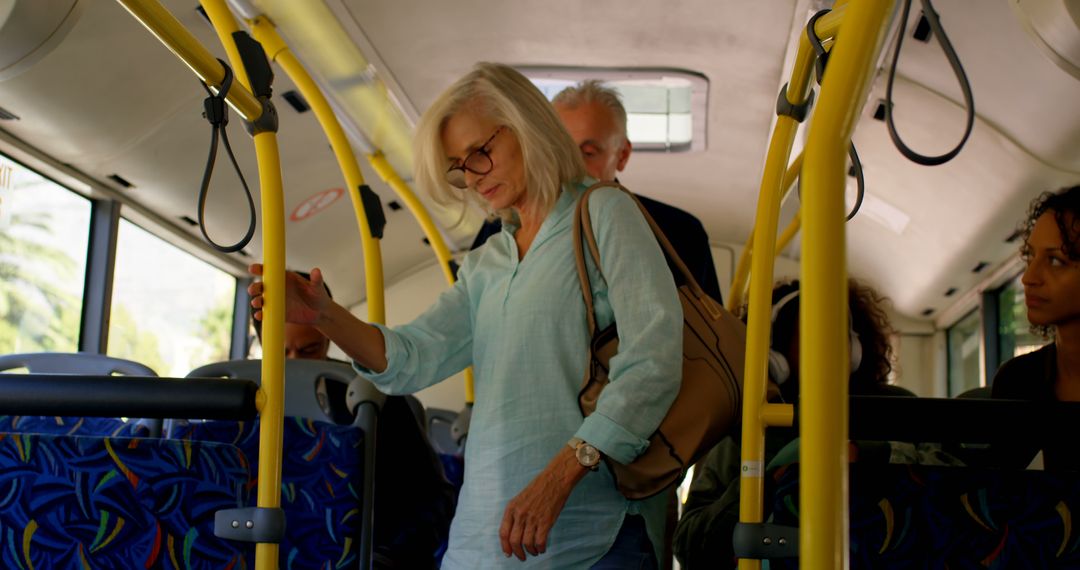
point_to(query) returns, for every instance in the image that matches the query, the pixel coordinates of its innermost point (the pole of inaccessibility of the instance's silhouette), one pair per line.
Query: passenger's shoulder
(895, 391)
(666, 212)
(1019, 377)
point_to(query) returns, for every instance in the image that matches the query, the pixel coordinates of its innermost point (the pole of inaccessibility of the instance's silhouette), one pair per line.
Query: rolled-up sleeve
(432, 347)
(646, 373)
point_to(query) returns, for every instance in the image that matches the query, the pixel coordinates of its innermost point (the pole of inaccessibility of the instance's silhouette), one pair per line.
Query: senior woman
(533, 488)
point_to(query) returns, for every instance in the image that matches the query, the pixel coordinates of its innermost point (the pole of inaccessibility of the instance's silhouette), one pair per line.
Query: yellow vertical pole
(272, 416)
(751, 484)
(823, 318)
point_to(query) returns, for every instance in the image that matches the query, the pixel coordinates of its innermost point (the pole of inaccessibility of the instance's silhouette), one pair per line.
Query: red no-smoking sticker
(315, 203)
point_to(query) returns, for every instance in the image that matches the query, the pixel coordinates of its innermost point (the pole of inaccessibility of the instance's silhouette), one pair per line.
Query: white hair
(551, 159)
(594, 90)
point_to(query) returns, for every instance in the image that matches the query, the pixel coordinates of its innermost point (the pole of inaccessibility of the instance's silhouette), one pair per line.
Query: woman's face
(468, 135)
(1051, 280)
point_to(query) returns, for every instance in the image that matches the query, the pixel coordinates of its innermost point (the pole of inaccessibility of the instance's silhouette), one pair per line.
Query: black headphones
(780, 369)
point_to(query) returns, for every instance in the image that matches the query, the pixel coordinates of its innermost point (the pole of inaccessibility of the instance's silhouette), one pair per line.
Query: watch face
(588, 455)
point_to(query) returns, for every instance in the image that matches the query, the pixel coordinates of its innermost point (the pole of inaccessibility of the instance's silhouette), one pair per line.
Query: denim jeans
(632, 549)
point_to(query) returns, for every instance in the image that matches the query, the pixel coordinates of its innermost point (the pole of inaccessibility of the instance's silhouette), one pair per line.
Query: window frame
(108, 205)
(981, 334)
(42, 169)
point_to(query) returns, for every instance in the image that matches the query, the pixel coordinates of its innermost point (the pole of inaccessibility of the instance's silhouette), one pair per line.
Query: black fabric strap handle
(217, 113)
(961, 77)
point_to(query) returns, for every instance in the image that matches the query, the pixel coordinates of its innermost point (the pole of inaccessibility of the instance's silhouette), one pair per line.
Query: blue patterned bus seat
(321, 485)
(97, 502)
(917, 516)
(62, 425)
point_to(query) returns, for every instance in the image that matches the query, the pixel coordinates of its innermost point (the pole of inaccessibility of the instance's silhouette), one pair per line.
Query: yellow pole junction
(823, 328)
(825, 27)
(266, 34)
(170, 32)
(777, 178)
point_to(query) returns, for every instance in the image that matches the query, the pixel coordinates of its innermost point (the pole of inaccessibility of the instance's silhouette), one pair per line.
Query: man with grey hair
(595, 117)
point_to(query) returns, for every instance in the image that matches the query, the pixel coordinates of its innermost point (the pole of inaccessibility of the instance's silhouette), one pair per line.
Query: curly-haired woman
(1051, 282)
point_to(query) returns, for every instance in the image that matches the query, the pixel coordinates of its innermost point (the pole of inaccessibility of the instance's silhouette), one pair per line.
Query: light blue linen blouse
(522, 326)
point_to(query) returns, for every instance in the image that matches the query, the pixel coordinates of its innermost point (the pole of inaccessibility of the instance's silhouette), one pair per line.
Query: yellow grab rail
(789, 233)
(823, 312)
(742, 272)
(279, 52)
(170, 32)
(265, 32)
(390, 176)
(221, 19)
(385, 171)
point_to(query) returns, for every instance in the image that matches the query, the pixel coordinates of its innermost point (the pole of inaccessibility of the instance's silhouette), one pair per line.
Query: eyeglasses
(478, 162)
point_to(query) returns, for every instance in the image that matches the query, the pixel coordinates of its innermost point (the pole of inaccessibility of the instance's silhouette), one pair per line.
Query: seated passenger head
(493, 137)
(1051, 251)
(869, 333)
(596, 120)
(301, 341)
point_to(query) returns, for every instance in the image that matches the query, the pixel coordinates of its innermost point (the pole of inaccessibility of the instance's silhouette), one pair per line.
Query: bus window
(1014, 330)
(965, 354)
(44, 232)
(170, 311)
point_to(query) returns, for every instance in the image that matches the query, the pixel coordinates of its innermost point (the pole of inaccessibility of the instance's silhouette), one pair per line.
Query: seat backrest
(448, 430)
(150, 502)
(328, 468)
(981, 392)
(90, 365)
(74, 363)
(301, 382)
(974, 453)
(322, 479)
(918, 516)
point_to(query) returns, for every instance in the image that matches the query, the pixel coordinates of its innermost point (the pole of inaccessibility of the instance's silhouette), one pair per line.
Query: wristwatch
(587, 455)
